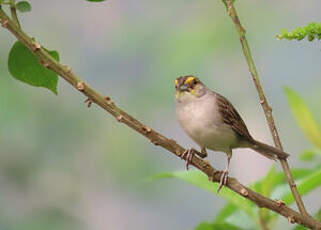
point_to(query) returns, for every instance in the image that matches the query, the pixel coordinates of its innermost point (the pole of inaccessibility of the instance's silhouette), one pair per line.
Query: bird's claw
(223, 180)
(188, 155)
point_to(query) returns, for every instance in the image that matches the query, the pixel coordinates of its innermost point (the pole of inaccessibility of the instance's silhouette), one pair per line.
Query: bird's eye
(194, 82)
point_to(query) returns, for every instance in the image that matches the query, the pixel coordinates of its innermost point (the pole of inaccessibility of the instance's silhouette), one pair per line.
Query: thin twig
(156, 138)
(263, 101)
(14, 12)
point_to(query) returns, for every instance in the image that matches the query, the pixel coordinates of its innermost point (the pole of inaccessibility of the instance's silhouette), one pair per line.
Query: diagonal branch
(263, 101)
(155, 137)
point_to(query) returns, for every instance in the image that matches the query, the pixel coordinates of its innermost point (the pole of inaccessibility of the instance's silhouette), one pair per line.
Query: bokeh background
(64, 166)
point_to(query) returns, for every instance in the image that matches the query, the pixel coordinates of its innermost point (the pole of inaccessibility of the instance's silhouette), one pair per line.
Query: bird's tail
(268, 151)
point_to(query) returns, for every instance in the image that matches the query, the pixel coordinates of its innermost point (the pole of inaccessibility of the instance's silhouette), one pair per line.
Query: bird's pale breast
(201, 120)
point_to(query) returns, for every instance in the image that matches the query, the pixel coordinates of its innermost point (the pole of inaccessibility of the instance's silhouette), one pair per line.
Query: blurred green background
(64, 166)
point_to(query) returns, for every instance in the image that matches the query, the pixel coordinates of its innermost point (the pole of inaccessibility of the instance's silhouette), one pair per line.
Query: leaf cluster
(23, 65)
(311, 31)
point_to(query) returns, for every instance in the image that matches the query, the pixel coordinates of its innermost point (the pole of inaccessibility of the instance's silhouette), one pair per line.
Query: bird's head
(189, 87)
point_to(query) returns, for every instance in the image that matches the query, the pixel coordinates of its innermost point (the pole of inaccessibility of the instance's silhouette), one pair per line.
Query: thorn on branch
(120, 118)
(80, 86)
(269, 108)
(291, 219)
(244, 192)
(35, 46)
(45, 64)
(280, 203)
(67, 68)
(146, 129)
(109, 101)
(155, 142)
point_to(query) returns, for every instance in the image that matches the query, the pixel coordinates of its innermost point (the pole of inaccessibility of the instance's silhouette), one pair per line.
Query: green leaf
(299, 173)
(23, 6)
(299, 227)
(273, 179)
(200, 180)
(235, 216)
(282, 187)
(225, 212)
(304, 117)
(266, 185)
(95, 0)
(24, 66)
(306, 185)
(216, 226)
(269, 182)
(309, 155)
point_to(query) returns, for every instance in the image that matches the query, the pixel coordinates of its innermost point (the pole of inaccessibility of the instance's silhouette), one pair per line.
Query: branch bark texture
(264, 103)
(156, 138)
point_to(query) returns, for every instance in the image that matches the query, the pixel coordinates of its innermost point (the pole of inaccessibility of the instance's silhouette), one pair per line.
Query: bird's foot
(223, 180)
(203, 153)
(188, 156)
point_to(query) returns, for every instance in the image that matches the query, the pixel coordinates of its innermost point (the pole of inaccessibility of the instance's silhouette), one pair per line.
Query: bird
(213, 123)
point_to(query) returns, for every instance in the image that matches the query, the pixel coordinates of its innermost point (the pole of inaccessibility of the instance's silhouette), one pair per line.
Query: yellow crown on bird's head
(186, 82)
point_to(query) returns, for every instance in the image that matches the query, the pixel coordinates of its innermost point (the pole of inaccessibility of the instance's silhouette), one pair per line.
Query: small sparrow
(213, 123)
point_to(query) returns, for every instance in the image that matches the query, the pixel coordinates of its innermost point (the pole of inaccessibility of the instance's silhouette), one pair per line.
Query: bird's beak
(182, 87)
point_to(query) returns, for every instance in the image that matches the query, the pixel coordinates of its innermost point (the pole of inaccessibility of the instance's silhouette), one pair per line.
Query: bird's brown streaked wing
(232, 117)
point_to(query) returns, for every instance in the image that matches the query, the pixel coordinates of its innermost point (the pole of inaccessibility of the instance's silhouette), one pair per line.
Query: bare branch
(155, 137)
(263, 101)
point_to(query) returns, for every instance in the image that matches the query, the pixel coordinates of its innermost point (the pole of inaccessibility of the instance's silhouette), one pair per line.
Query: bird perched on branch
(213, 123)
